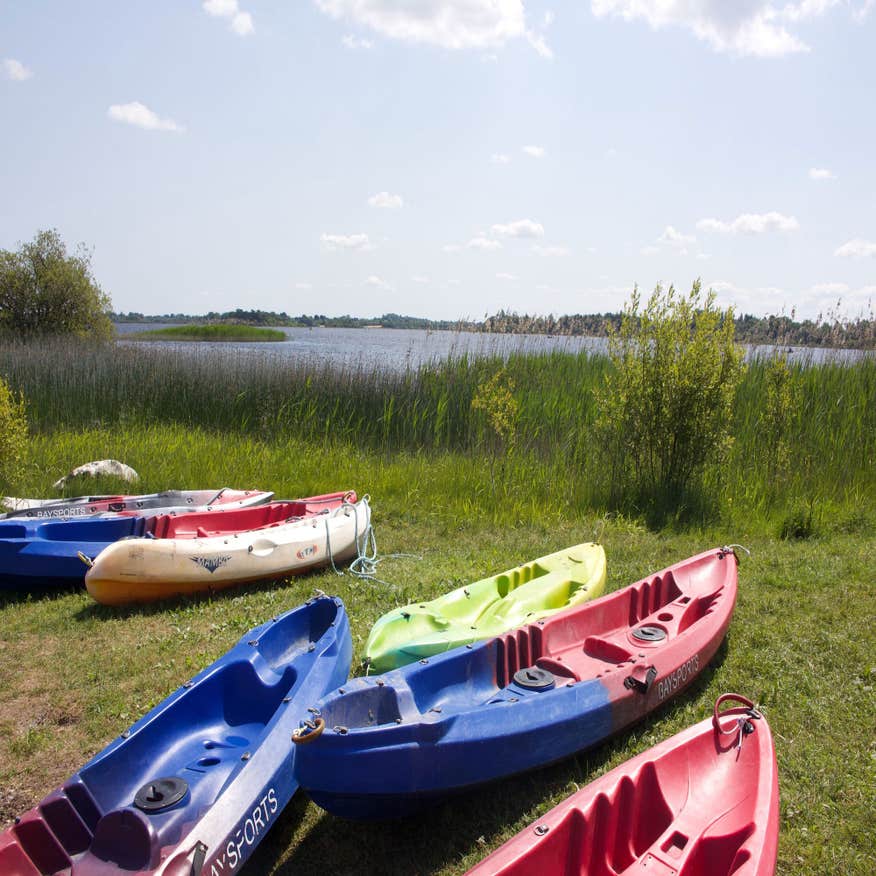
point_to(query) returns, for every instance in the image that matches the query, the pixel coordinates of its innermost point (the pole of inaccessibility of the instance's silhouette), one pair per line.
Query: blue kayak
(386, 745)
(38, 554)
(196, 784)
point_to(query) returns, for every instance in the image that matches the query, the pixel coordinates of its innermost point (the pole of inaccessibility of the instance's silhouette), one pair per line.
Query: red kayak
(703, 803)
(204, 524)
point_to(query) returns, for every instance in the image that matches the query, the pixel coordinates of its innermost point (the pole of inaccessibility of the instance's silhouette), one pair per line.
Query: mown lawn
(802, 644)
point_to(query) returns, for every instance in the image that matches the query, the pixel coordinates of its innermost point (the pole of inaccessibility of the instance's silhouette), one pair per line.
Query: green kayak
(487, 608)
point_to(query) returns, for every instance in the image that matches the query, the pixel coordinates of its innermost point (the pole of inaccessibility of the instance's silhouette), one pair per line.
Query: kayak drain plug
(649, 634)
(160, 794)
(534, 678)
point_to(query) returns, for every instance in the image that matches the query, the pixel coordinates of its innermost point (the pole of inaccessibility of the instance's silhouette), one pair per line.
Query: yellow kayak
(487, 608)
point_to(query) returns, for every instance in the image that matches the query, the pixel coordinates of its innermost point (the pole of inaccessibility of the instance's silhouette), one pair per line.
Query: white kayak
(147, 569)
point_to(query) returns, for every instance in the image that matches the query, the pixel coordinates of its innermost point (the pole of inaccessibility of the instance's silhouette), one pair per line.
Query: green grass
(218, 332)
(802, 641)
(831, 431)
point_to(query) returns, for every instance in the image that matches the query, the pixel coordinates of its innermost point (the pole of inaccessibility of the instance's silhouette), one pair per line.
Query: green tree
(665, 408)
(13, 434)
(45, 291)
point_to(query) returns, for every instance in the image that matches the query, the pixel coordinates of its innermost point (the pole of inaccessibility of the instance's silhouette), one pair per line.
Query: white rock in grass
(107, 467)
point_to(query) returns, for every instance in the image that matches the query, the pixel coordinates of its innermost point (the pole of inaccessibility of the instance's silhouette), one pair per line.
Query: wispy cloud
(751, 223)
(856, 249)
(534, 151)
(15, 70)
(821, 173)
(451, 24)
(333, 242)
(505, 277)
(376, 282)
(348, 41)
(520, 228)
(500, 158)
(386, 201)
(239, 22)
(140, 116)
(483, 243)
(675, 239)
(761, 28)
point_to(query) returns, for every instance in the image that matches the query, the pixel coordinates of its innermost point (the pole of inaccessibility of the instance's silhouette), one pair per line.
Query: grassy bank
(219, 332)
(828, 434)
(801, 643)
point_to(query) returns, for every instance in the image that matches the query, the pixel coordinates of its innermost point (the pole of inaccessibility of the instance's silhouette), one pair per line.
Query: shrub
(13, 434)
(664, 409)
(43, 291)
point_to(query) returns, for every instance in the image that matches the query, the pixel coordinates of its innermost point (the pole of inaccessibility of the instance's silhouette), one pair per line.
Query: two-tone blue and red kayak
(196, 784)
(38, 553)
(385, 745)
(703, 803)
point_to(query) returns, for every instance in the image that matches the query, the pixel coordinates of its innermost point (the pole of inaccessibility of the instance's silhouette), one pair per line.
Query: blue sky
(446, 158)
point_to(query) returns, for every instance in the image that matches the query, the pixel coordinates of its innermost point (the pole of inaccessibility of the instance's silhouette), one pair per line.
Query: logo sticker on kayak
(211, 564)
(242, 840)
(308, 551)
(679, 677)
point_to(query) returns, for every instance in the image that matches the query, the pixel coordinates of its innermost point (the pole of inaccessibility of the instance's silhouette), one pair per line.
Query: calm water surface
(397, 349)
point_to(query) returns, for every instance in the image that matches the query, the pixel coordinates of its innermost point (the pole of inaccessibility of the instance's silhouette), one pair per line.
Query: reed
(217, 332)
(242, 392)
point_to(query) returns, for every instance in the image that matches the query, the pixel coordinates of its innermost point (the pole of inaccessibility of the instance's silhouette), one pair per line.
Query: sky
(446, 158)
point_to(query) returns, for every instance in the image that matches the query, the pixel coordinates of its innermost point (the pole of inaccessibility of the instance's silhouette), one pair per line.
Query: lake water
(397, 349)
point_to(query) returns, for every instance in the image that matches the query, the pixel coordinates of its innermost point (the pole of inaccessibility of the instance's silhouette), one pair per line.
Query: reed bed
(830, 430)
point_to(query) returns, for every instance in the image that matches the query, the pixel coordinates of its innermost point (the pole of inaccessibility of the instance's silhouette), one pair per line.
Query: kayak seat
(126, 838)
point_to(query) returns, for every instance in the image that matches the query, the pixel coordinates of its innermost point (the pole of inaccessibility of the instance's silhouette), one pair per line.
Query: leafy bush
(13, 434)
(664, 409)
(43, 291)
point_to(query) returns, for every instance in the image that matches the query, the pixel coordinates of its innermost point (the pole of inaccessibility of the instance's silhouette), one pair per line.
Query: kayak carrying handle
(746, 710)
(309, 732)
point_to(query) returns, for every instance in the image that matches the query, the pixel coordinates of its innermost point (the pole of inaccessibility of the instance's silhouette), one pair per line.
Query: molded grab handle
(744, 709)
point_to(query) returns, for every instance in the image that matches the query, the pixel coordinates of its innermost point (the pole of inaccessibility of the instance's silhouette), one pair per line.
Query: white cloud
(857, 249)
(451, 24)
(751, 223)
(483, 243)
(220, 8)
(675, 239)
(348, 41)
(500, 158)
(753, 27)
(334, 242)
(419, 278)
(386, 201)
(520, 228)
(505, 277)
(549, 251)
(534, 151)
(240, 22)
(135, 113)
(377, 283)
(15, 70)
(819, 173)
(539, 43)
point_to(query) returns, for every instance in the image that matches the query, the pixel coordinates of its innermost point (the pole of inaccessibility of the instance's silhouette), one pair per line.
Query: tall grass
(213, 332)
(428, 408)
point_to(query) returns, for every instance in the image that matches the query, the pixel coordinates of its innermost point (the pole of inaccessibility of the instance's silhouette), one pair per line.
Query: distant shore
(833, 332)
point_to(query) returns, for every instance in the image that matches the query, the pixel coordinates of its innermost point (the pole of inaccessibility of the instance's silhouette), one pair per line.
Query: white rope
(364, 564)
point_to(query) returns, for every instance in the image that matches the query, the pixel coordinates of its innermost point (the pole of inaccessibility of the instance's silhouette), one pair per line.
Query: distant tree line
(775, 330)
